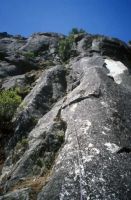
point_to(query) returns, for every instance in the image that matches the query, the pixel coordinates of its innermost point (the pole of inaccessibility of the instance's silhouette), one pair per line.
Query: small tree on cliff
(75, 31)
(9, 101)
(64, 49)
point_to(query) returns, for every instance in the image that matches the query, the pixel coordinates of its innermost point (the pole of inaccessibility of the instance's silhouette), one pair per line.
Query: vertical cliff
(71, 135)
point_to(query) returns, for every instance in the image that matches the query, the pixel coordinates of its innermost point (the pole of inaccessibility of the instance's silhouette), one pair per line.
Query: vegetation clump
(29, 54)
(46, 64)
(20, 148)
(22, 144)
(75, 31)
(23, 91)
(9, 101)
(66, 47)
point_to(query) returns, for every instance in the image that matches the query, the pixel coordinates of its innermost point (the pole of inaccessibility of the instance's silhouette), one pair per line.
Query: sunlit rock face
(72, 132)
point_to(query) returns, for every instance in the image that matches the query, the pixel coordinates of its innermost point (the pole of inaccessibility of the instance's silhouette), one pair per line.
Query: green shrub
(23, 91)
(75, 31)
(9, 101)
(47, 63)
(65, 47)
(40, 162)
(20, 148)
(29, 54)
(60, 135)
(33, 120)
(24, 142)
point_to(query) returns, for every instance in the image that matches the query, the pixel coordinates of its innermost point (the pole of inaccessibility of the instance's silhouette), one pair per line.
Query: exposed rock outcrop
(72, 132)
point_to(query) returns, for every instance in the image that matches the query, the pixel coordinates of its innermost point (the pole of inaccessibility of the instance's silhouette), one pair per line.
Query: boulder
(39, 43)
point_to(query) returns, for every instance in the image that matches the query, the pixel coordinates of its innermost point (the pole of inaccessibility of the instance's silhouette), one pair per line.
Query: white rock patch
(85, 126)
(116, 68)
(87, 158)
(83, 61)
(106, 128)
(103, 133)
(111, 147)
(73, 107)
(90, 145)
(104, 104)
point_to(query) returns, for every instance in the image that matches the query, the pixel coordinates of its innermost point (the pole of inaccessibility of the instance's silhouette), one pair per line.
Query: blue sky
(108, 17)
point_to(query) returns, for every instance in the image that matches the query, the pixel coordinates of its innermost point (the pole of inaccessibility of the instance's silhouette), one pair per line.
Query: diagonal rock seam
(95, 94)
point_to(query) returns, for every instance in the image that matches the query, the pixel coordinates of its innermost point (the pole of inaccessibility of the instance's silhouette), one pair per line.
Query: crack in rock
(96, 94)
(124, 150)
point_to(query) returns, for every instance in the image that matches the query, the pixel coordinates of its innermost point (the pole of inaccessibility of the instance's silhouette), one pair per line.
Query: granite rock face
(22, 194)
(72, 132)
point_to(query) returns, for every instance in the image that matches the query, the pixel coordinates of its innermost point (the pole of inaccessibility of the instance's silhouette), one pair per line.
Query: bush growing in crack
(20, 148)
(9, 101)
(66, 47)
(46, 153)
(46, 64)
(23, 91)
(29, 54)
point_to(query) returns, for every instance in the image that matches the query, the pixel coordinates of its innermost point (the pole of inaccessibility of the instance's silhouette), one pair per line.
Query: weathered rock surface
(90, 166)
(22, 194)
(72, 132)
